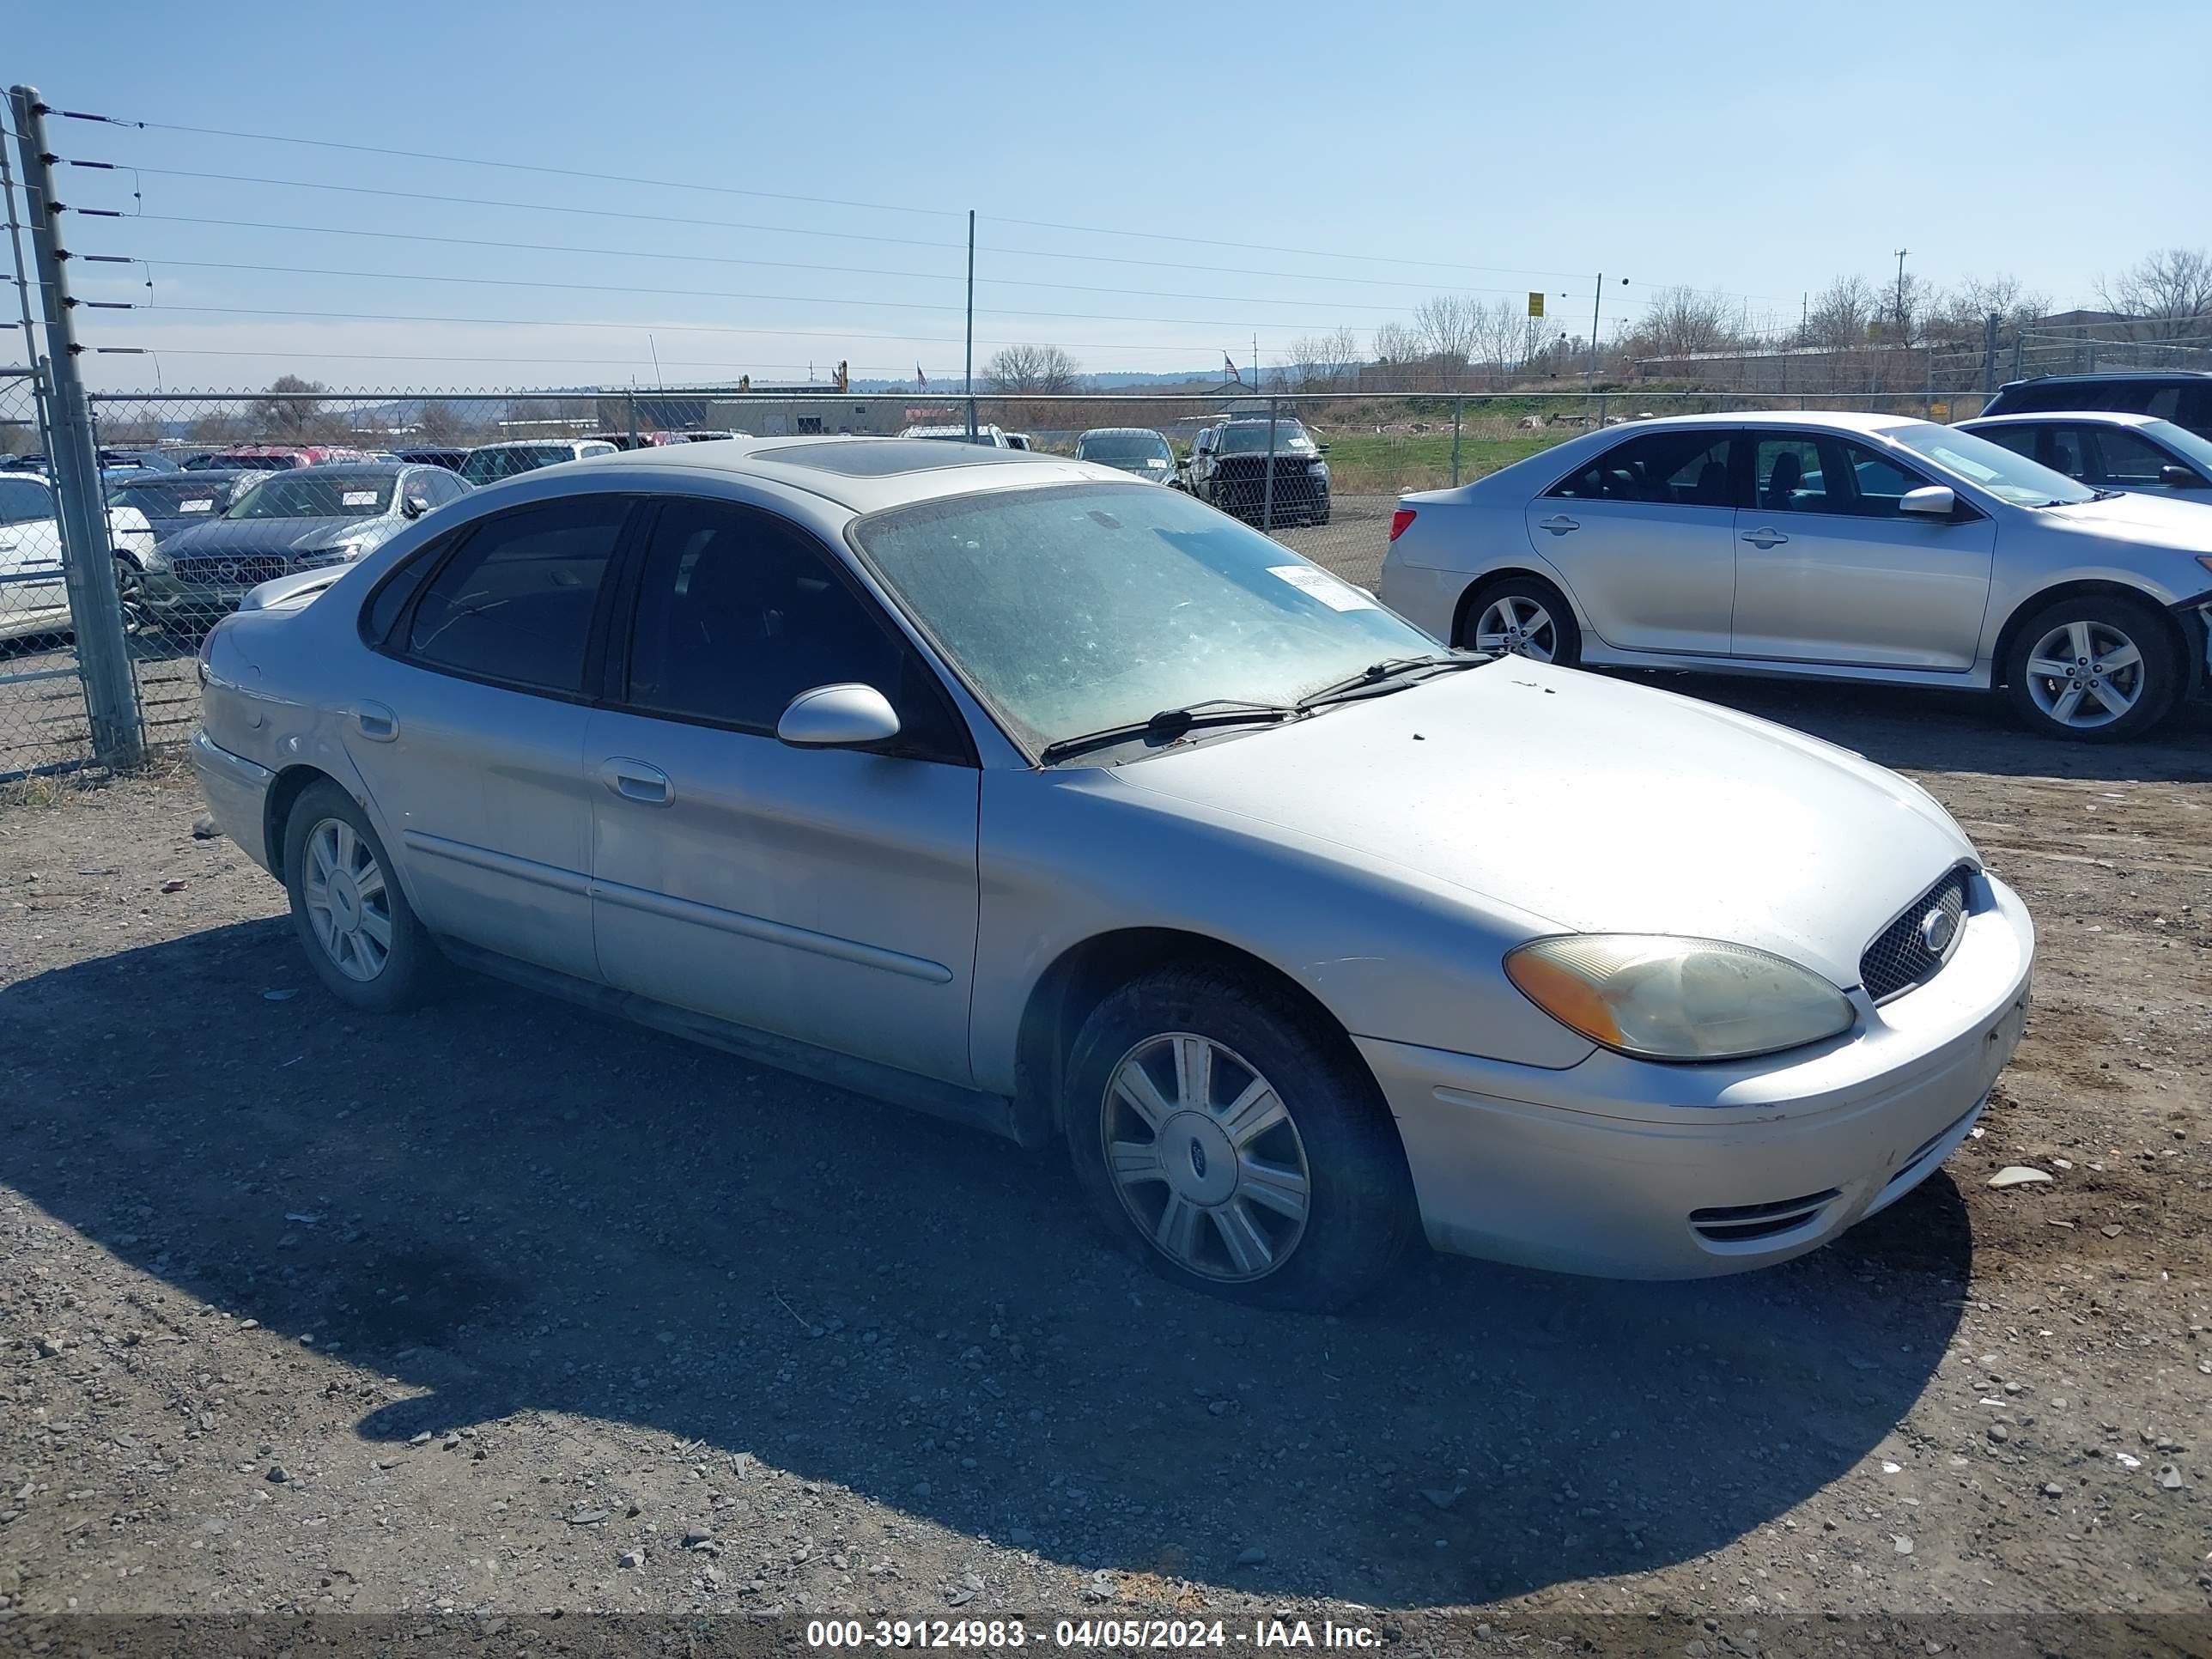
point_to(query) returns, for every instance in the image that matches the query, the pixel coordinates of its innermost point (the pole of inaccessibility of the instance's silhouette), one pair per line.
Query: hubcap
(1205, 1157)
(1517, 626)
(348, 906)
(2085, 674)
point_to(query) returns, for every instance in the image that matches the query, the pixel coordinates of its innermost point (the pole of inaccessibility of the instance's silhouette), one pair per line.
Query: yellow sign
(1535, 304)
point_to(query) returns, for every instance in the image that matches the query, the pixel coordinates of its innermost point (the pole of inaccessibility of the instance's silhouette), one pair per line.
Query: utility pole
(1903, 331)
(968, 374)
(103, 653)
(1597, 299)
(1255, 362)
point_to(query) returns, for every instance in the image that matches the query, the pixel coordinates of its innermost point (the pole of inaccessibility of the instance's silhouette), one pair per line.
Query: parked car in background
(170, 501)
(303, 520)
(989, 437)
(274, 457)
(1836, 546)
(2139, 452)
(2180, 395)
(690, 435)
(435, 455)
(34, 599)
(1136, 450)
(1229, 466)
(1063, 806)
(492, 462)
(1020, 440)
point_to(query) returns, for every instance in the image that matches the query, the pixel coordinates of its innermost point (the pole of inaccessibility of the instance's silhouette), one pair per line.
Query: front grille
(1900, 957)
(218, 572)
(1748, 1223)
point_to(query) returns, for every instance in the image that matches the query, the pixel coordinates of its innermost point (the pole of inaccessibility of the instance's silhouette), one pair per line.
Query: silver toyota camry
(1827, 546)
(1039, 798)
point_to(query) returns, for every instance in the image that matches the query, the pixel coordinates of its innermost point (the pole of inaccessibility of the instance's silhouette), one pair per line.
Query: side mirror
(414, 506)
(2174, 476)
(1323, 448)
(843, 716)
(1929, 501)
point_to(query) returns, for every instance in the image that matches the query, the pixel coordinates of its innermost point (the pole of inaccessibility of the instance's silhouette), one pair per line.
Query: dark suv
(1228, 466)
(2182, 396)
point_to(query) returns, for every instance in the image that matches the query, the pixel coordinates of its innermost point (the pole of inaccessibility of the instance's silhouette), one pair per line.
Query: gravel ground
(498, 1310)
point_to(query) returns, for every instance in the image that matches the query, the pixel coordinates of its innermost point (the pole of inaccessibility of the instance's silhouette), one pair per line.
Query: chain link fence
(209, 494)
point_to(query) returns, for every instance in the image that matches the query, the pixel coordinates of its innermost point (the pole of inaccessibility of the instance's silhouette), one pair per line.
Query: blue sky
(1333, 164)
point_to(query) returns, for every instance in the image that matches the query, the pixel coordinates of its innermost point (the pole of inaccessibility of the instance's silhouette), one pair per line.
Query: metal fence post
(1267, 478)
(1459, 410)
(631, 400)
(1989, 357)
(103, 651)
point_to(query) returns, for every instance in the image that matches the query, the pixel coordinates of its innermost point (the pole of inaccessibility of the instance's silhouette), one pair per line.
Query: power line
(1269, 247)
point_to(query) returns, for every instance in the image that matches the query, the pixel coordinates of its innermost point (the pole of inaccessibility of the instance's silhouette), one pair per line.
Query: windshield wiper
(1376, 672)
(1170, 724)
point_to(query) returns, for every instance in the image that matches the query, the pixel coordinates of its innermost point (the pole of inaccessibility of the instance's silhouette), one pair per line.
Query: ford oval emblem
(1937, 928)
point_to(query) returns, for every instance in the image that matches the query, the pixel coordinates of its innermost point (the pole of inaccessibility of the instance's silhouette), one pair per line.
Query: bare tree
(1838, 318)
(1962, 312)
(1680, 322)
(289, 419)
(1397, 348)
(440, 423)
(1448, 325)
(2173, 284)
(1322, 363)
(1015, 370)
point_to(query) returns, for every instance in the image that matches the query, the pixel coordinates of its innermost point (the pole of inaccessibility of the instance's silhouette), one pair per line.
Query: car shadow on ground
(512, 1206)
(1914, 730)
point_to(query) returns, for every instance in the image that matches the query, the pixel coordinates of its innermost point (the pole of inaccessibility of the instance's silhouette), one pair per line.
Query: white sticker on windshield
(194, 506)
(1336, 595)
(358, 498)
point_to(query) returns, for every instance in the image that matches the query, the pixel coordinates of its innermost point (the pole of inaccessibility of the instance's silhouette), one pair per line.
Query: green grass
(1390, 463)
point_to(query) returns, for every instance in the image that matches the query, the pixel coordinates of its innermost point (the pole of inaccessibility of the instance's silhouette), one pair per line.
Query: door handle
(376, 722)
(1559, 524)
(634, 780)
(1763, 539)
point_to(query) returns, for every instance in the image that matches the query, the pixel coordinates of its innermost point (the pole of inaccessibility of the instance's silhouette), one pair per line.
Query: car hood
(2154, 520)
(1601, 806)
(266, 535)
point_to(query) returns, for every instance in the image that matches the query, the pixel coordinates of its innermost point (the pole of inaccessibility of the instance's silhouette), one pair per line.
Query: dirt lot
(495, 1309)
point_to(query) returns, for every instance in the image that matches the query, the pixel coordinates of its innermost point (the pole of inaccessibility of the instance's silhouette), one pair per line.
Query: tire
(1325, 1148)
(332, 856)
(2089, 692)
(1544, 622)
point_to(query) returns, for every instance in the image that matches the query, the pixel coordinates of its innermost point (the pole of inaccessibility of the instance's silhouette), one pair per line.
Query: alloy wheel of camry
(1205, 1157)
(1515, 625)
(349, 904)
(2082, 675)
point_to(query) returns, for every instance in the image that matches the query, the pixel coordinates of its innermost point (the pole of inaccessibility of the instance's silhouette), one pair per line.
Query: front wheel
(2095, 669)
(1233, 1152)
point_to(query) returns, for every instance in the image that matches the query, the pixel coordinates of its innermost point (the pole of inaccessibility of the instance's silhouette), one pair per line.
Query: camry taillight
(1399, 521)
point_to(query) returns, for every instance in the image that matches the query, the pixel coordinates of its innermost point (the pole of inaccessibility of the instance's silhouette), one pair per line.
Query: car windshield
(1250, 437)
(1121, 447)
(483, 465)
(1080, 607)
(2197, 450)
(173, 497)
(315, 493)
(2008, 476)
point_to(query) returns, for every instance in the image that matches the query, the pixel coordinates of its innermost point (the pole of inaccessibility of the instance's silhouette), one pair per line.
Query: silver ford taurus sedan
(1042, 799)
(1826, 546)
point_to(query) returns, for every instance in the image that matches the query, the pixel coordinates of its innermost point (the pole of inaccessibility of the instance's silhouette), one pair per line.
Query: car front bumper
(237, 791)
(1626, 1169)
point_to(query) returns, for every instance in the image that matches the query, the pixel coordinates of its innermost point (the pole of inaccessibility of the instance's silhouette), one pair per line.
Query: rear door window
(514, 605)
(1677, 468)
(1787, 475)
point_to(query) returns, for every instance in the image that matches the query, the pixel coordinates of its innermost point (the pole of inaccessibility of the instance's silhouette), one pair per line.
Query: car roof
(2115, 377)
(862, 474)
(342, 471)
(2075, 416)
(1849, 420)
(1117, 431)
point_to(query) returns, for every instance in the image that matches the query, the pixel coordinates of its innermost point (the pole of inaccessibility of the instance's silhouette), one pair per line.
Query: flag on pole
(1229, 364)
(920, 378)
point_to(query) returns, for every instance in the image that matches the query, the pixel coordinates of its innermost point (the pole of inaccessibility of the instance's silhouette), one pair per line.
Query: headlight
(343, 552)
(1660, 998)
(1317, 469)
(154, 559)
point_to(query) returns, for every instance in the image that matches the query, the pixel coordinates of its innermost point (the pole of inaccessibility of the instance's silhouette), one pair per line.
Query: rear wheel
(360, 933)
(1522, 616)
(2095, 669)
(1232, 1151)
